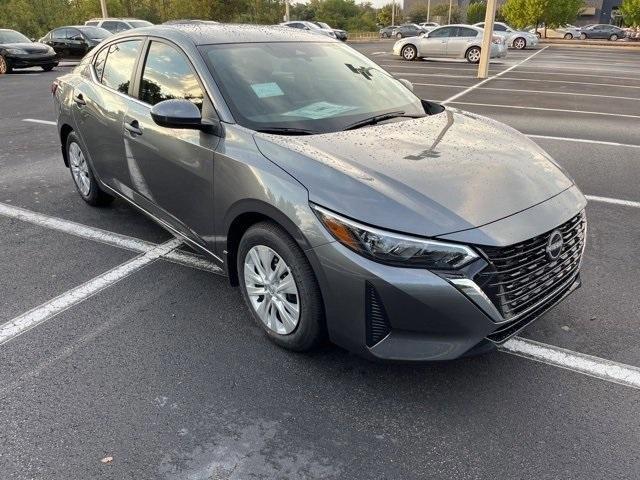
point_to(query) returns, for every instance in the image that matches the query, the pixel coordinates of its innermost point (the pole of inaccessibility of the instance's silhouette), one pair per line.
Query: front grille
(521, 279)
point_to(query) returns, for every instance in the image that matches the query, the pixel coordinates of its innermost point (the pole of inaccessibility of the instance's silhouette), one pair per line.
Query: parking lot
(138, 363)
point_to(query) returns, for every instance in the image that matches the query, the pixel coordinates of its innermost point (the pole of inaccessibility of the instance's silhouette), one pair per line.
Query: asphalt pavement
(162, 374)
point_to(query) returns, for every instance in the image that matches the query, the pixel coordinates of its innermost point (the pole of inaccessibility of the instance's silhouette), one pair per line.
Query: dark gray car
(340, 203)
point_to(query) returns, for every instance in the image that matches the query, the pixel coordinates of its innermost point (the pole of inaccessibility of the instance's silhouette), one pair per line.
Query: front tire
(473, 55)
(4, 66)
(613, 37)
(583, 36)
(398, 36)
(83, 177)
(279, 287)
(519, 43)
(409, 52)
(568, 36)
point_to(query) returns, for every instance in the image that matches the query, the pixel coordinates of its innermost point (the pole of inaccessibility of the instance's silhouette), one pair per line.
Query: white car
(514, 38)
(450, 41)
(428, 26)
(117, 25)
(568, 32)
(310, 26)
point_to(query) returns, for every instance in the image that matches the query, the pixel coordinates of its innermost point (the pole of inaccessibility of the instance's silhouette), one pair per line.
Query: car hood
(429, 176)
(31, 47)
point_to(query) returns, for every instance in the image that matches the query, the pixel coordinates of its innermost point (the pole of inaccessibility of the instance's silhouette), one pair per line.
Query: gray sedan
(340, 203)
(450, 41)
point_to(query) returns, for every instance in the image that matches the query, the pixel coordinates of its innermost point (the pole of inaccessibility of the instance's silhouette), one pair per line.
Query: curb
(629, 45)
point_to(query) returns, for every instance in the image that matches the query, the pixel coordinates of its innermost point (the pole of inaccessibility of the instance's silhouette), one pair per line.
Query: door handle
(79, 99)
(133, 128)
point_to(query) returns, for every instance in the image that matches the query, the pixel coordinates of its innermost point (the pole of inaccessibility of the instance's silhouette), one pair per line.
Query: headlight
(16, 51)
(393, 248)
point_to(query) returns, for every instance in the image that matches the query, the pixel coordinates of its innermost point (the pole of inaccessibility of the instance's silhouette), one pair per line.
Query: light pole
(487, 37)
(286, 10)
(450, 7)
(103, 6)
(428, 10)
(393, 12)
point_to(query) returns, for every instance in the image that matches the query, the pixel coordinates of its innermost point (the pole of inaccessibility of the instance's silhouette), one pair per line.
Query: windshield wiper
(286, 131)
(379, 118)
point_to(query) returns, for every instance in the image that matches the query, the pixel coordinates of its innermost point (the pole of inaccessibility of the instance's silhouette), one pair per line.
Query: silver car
(340, 203)
(310, 27)
(450, 41)
(518, 39)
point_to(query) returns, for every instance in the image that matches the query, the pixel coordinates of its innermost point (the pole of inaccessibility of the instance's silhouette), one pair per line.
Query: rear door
(59, 40)
(460, 41)
(100, 105)
(76, 42)
(171, 170)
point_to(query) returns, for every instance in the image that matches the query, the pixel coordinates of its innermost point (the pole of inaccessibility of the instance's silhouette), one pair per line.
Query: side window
(59, 34)
(499, 28)
(466, 32)
(121, 27)
(119, 65)
(167, 75)
(99, 63)
(443, 32)
(92, 23)
(110, 25)
(74, 34)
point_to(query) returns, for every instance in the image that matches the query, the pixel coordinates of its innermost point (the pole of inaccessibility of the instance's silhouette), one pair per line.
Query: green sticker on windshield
(266, 90)
(319, 110)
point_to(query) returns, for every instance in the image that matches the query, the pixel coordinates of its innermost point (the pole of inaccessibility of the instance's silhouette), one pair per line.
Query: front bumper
(404, 314)
(32, 60)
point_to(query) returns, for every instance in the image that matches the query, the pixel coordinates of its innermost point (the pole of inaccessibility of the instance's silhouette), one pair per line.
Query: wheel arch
(247, 213)
(65, 130)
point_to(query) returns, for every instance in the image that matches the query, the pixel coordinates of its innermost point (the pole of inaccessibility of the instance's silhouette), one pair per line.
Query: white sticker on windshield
(266, 90)
(319, 110)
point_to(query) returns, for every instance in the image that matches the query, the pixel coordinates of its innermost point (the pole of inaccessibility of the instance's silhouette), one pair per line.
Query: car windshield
(11, 36)
(317, 87)
(139, 23)
(95, 32)
(323, 25)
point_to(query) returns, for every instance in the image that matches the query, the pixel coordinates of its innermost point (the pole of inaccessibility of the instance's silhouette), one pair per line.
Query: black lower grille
(377, 324)
(523, 278)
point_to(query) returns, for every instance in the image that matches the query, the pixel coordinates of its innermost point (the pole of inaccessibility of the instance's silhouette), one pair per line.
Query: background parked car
(408, 30)
(386, 32)
(76, 40)
(567, 32)
(189, 21)
(310, 26)
(17, 51)
(340, 34)
(451, 41)
(115, 25)
(514, 38)
(603, 31)
(428, 26)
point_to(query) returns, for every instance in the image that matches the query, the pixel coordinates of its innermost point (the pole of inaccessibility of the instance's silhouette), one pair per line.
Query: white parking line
(35, 120)
(540, 71)
(601, 368)
(103, 236)
(520, 107)
(47, 310)
(464, 92)
(613, 201)
(584, 140)
(569, 81)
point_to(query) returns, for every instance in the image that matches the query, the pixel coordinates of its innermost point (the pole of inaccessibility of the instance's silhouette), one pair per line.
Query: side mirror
(181, 114)
(33, 39)
(406, 83)
(424, 34)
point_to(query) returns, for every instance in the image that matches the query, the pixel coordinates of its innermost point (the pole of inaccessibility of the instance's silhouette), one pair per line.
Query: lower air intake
(376, 318)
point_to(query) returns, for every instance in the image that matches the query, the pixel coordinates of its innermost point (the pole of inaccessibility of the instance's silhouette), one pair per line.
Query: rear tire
(278, 246)
(613, 37)
(398, 36)
(82, 175)
(568, 36)
(473, 55)
(583, 36)
(48, 68)
(409, 53)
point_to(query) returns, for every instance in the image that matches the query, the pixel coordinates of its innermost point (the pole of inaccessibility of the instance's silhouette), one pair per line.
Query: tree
(630, 10)
(521, 13)
(442, 10)
(384, 15)
(476, 12)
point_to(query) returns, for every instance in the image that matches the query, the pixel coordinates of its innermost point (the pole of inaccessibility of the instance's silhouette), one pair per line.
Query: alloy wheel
(473, 55)
(409, 52)
(3, 65)
(79, 169)
(613, 37)
(520, 43)
(271, 289)
(568, 36)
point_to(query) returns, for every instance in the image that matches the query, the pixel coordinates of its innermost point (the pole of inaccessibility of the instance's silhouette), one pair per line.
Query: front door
(435, 44)
(171, 170)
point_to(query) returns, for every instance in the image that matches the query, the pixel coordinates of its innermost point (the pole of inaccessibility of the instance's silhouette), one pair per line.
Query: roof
(208, 34)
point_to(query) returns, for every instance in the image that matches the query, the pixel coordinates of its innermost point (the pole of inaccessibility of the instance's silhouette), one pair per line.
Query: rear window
(139, 23)
(119, 65)
(91, 23)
